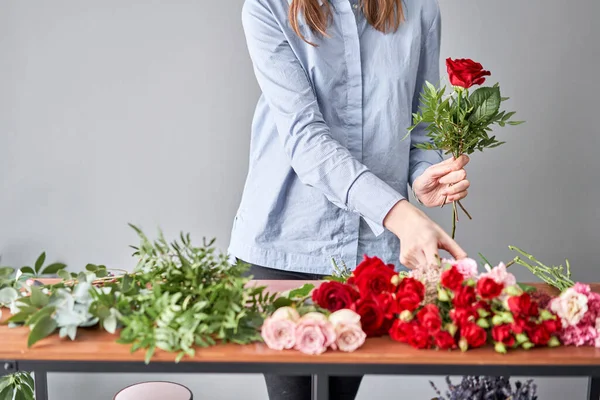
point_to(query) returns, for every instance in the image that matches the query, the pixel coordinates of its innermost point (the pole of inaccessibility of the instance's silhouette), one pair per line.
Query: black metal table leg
(594, 388)
(41, 385)
(320, 387)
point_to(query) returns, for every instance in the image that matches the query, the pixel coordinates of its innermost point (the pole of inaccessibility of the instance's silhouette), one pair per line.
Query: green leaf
(64, 275)
(301, 291)
(27, 270)
(7, 393)
(39, 262)
(282, 302)
(4, 382)
(48, 310)
(91, 267)
(126, 283)
(6, 271)
(486, 102)
(515, 122)
(8, 295)
(149, 354)
(526, 288)
(110, 324)
(53, 268)
(38, 299)
(43, 328)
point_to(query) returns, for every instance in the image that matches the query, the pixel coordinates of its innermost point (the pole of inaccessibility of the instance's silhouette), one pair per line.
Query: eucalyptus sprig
(557, 276)
(460, 122)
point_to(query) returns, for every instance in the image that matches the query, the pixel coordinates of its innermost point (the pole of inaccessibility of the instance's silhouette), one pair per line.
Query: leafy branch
(460, 123)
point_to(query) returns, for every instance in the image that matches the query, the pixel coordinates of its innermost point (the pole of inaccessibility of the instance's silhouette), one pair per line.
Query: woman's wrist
(395, 217)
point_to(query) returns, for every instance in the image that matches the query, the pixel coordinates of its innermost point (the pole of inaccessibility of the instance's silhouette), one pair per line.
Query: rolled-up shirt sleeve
(317, 158)
(429, 70)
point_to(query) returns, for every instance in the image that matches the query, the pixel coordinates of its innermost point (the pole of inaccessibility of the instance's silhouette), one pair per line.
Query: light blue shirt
(327, 155)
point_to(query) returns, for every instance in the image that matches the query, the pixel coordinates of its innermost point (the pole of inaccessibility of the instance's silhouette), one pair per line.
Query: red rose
(464, 297)
(401, 331)
(483, 305)
(371, 315)
(420, 338)
(429, 318)
(462, 316)
(522, 305)
(465, 72)
(503, 334)
(539, 335)
(489, 289)
(452, 278)
(334, 296)
(444, 340)
(389, 305)
(552, 325)
(411, 285)
(372, 276)
(473, 334)
(408, 301)
(521, 324)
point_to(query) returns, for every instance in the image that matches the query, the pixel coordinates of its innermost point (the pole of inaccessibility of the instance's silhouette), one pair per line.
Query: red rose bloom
(429, 318)
(389, 305)
(334, 296)
(372, 276)
(401, 331)
(474, 335)
(503, 334)
(552, 325)
(411, 285)
(465, 72)
(444, 341)
(489, 289)
(464, 297)
(539, 335)
(371, 315)
(462, 316)
(521, 324)
(452, 278)
(522, 305)
(408, 301)
(420, 338)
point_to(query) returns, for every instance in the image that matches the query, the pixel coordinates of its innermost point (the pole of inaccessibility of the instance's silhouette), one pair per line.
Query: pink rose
(349, 337)
(279, 333)
(500, 275)
(466, 266)
(344, 317)
(286, 313)
(314, 334)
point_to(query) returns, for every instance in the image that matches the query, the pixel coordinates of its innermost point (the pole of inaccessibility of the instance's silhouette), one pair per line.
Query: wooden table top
(97, 345)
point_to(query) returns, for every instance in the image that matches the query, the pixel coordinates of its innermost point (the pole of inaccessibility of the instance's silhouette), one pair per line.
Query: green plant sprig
(18, 385)
(557, 276)
(460, 123)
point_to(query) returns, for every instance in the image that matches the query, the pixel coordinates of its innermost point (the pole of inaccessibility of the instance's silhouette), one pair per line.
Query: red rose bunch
(471, 312)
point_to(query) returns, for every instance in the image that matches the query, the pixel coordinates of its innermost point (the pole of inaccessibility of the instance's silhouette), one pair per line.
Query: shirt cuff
(373, 199)
(418, 171)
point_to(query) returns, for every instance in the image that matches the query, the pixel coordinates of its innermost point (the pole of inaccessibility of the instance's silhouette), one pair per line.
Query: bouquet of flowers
(460, 122)
(452, 307)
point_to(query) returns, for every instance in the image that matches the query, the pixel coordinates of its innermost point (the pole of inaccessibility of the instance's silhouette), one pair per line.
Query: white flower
(570, 307)
(316, 316)
(344, 317)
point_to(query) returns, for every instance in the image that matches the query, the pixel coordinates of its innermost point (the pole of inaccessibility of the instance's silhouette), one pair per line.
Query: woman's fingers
(448, 244)
(457, 197)
(453, 177)
(431, 255)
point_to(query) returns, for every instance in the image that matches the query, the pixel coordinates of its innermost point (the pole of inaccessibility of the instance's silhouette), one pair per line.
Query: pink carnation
(314, 335)
(500, 275)
(466, 266)
(279, 333)
(579, 311)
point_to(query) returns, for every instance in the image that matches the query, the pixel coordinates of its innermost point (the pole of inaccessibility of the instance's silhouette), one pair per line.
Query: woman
(329, 168)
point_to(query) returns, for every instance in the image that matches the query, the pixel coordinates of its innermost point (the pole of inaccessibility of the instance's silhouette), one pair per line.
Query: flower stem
(454, 219)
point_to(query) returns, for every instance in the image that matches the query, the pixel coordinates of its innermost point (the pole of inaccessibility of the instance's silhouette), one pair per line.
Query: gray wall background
(139, 111)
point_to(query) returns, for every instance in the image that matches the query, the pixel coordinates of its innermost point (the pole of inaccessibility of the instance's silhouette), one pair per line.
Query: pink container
(155, 391)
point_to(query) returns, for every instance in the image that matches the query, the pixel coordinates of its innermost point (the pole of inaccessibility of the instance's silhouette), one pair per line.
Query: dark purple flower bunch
(487, 388)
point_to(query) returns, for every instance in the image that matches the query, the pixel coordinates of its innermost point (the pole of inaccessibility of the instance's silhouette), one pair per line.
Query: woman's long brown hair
(383, 15)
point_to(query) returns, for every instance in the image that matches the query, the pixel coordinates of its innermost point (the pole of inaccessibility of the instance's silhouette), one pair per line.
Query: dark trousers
(282, 387)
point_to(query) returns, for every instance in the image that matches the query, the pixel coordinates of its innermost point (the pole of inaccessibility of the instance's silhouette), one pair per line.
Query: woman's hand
(420, 237)
(446, 181)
